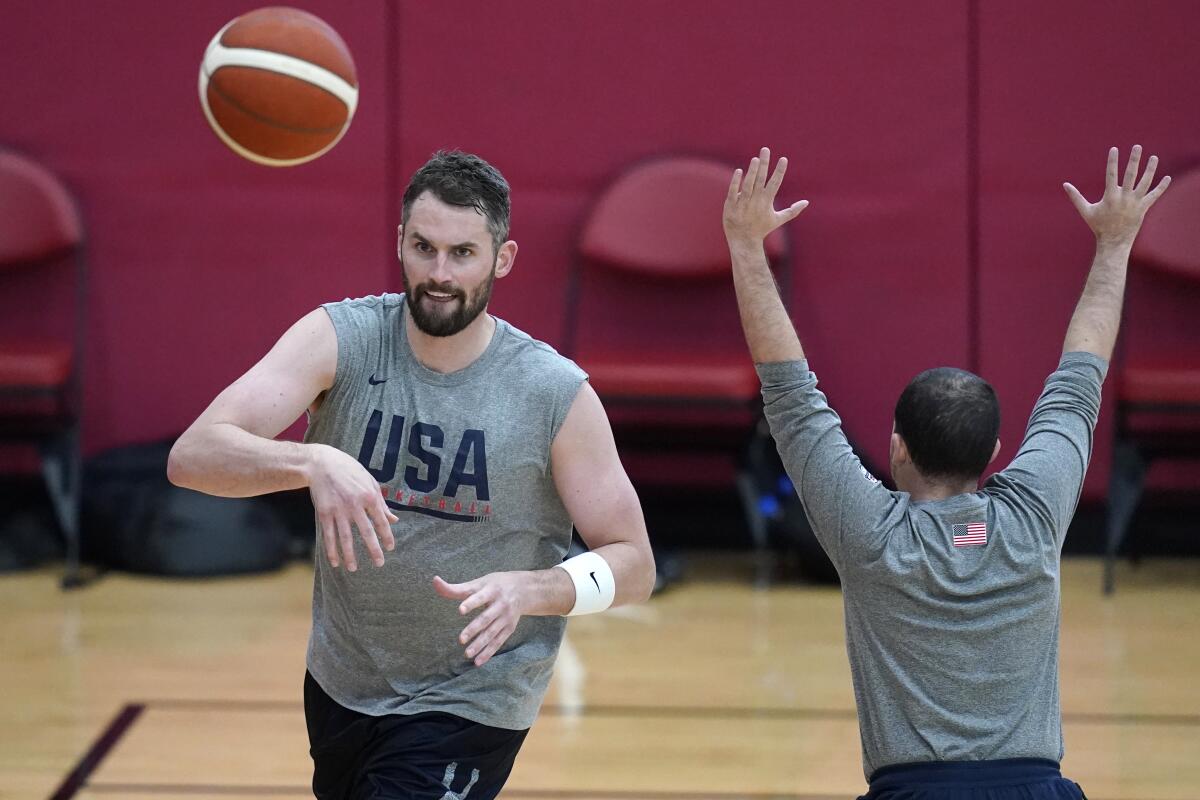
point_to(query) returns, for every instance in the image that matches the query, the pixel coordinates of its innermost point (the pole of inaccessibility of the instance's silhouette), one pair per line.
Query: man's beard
(458, 313)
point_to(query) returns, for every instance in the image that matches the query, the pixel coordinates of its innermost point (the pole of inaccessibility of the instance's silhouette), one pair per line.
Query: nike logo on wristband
(595, 581)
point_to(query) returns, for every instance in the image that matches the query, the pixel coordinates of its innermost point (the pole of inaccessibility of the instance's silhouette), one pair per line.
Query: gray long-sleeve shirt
(952, 606)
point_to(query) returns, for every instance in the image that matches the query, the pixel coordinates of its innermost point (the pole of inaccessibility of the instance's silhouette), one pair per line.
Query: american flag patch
(972, 534)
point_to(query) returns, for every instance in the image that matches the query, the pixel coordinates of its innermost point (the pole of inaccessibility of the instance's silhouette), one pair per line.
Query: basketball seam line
(230, 53)
(218, 56)
(291, 128)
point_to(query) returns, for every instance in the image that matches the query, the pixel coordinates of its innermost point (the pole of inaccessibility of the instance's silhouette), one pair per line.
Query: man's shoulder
(365, 312)
(370, 302)
(535, 354)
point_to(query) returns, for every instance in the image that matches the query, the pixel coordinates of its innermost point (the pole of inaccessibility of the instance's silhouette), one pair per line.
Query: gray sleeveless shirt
(463, 459)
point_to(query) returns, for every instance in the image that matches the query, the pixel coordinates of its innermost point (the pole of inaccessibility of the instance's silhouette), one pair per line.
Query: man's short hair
(462, 179)
(949, 419)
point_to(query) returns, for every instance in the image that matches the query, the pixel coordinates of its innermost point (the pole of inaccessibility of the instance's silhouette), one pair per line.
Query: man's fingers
(482, 620)
(497, 641)
(1076, 198)
(777, 177)
(346, 540)
(1110, 176)
(366, 532)
(1131, 169)
(734, 185)
(452, 591)
(793, 211)
(383, 527)
(329, 538)
(485, 645)
(1148, 175)
(1158, 190)
(764, 166)
(748, 185)
(478, 599)
(479, 641)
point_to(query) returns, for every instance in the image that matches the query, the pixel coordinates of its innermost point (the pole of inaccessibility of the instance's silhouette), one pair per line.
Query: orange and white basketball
(278, 86)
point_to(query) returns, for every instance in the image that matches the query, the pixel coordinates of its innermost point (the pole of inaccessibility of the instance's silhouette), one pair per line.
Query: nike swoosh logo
(595, 581)
(371, 380)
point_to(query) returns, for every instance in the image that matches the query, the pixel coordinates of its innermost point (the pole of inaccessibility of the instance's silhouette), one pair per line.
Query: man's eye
(464, 252)
(421, 247)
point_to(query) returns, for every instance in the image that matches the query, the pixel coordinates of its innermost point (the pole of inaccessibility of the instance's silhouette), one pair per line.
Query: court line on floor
(103, 745)
(510, 794)
(531, 794)
(196, 788)
(688, 712)
(131, 712)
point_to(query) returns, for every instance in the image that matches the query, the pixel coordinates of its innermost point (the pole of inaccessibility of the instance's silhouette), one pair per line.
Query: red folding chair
(1157, 384)
(41, 238)
(651, 316)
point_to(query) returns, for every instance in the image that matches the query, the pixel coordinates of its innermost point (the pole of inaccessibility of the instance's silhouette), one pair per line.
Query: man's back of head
(948, 420)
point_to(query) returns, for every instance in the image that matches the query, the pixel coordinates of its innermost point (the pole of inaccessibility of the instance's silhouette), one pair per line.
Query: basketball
(278, 86)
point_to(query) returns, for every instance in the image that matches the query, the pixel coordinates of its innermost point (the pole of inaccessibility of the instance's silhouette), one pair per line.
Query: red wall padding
(1059, 84)
(866, 100)
(200, 259)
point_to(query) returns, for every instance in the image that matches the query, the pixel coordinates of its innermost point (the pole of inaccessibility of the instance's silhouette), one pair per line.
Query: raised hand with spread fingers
(749, 217)
(1115, 219)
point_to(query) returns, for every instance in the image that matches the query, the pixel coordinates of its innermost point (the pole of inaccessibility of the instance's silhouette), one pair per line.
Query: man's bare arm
(602, 502)
(749, 217)
(230, 449)
(1115, 220)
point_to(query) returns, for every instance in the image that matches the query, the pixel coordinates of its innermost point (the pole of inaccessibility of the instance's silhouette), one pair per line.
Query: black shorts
(1006, 779)
(430, 756)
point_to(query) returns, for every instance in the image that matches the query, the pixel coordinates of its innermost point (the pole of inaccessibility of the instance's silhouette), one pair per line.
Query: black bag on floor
(780, 506)
(134, 519)
(29, 532)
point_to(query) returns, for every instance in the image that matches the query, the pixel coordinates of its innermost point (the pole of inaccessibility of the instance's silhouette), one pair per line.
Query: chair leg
(1125, 485)
(750, 493)
(62, 470)
(756, 523)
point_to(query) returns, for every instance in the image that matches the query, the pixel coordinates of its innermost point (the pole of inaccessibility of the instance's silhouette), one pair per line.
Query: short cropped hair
(462, 179)
(949, 419)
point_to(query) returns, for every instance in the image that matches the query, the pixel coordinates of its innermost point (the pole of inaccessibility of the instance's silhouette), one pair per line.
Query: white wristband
(595, 585)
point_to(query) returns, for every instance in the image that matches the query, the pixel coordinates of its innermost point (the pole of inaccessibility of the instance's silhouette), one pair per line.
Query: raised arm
(843, 501)
(1115, 221)
(749, 216)
(230, 450)
(1047, 473)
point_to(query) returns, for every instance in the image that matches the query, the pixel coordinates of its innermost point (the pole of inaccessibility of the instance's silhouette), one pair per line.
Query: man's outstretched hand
(750, 204)
(1118, 215)
(1115, 220)
(500, 599)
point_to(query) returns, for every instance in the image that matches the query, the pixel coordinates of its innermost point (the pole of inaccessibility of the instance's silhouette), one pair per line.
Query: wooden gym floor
(150, 688)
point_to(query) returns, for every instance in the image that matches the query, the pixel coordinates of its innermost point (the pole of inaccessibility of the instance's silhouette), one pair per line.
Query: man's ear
(995, 451)
(505, 258)
(898, 450)
(400, 242)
